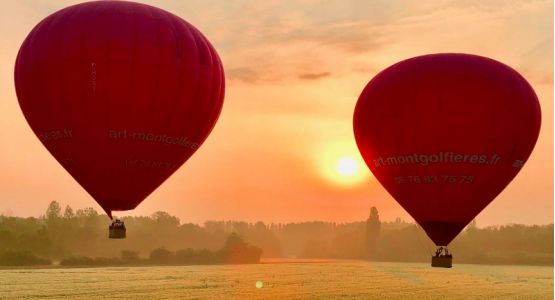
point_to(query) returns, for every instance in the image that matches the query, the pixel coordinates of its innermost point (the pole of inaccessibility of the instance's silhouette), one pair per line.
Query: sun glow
(341, 163)
(347, 166)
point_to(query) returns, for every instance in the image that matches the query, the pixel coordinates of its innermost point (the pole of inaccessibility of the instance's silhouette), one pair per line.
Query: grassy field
(282, 280)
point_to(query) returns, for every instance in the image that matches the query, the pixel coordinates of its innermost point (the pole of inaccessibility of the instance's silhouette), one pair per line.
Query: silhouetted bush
(185, 256)
(89, 261)
(77, 261)
(161, 256)
(234, 251)
(22, 258)
(129, 256)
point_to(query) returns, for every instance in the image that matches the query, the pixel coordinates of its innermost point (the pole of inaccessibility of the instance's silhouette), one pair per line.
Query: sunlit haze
(283, 149)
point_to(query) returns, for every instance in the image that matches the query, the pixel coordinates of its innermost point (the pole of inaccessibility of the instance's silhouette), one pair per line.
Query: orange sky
(294, 70)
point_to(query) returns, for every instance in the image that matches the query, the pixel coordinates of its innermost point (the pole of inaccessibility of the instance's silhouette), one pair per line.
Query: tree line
(234, 251)
(80, 237)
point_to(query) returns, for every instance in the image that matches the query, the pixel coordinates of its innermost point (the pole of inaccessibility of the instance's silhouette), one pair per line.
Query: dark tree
(53, 212)
(373, 226)
(237, 251)
(68, 212)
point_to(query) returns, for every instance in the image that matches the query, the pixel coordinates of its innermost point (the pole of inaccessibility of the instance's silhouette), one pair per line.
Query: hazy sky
(294, 71)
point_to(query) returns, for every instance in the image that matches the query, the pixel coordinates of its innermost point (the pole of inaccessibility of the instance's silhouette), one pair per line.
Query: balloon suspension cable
(423, 245)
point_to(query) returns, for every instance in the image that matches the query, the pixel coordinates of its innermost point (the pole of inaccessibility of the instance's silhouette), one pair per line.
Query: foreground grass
(316, 280)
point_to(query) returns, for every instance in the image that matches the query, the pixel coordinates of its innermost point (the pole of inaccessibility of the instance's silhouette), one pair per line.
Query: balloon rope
(425, 246)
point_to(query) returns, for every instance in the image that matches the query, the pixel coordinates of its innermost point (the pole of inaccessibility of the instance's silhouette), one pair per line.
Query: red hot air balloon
(120, 93)
(445, 134)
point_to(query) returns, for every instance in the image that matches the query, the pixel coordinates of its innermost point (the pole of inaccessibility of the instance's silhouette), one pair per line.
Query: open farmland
(282, 280)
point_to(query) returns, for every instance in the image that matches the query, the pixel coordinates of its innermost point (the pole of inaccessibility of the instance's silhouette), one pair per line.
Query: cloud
(300, 53)
(252, 75)
(243, 73)
(314, 76)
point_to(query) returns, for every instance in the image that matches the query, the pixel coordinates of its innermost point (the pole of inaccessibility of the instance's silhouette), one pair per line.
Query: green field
(282, 280)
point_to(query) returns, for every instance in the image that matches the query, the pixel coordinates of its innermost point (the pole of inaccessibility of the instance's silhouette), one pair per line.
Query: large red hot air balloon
(445, 134)
(120, 93)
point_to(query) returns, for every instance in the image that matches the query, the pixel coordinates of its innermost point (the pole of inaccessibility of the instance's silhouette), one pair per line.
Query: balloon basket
(117, 230)
(442, 261)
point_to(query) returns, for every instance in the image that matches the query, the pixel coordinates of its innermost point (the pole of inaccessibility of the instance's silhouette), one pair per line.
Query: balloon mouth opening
(109, 211)
(442, 232)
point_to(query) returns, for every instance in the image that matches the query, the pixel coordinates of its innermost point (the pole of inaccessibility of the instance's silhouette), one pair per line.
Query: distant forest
(81, 238)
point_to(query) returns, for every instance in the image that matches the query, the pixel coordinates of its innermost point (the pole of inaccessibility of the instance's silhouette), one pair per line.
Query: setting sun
(341, 163)
(347, 166)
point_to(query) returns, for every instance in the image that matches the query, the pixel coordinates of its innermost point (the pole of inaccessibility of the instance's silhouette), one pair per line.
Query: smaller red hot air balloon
(445, 134)
(121, 94)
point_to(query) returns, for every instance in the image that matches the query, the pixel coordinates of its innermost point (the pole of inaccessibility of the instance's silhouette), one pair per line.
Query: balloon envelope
(445, 134)
(120, 93)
